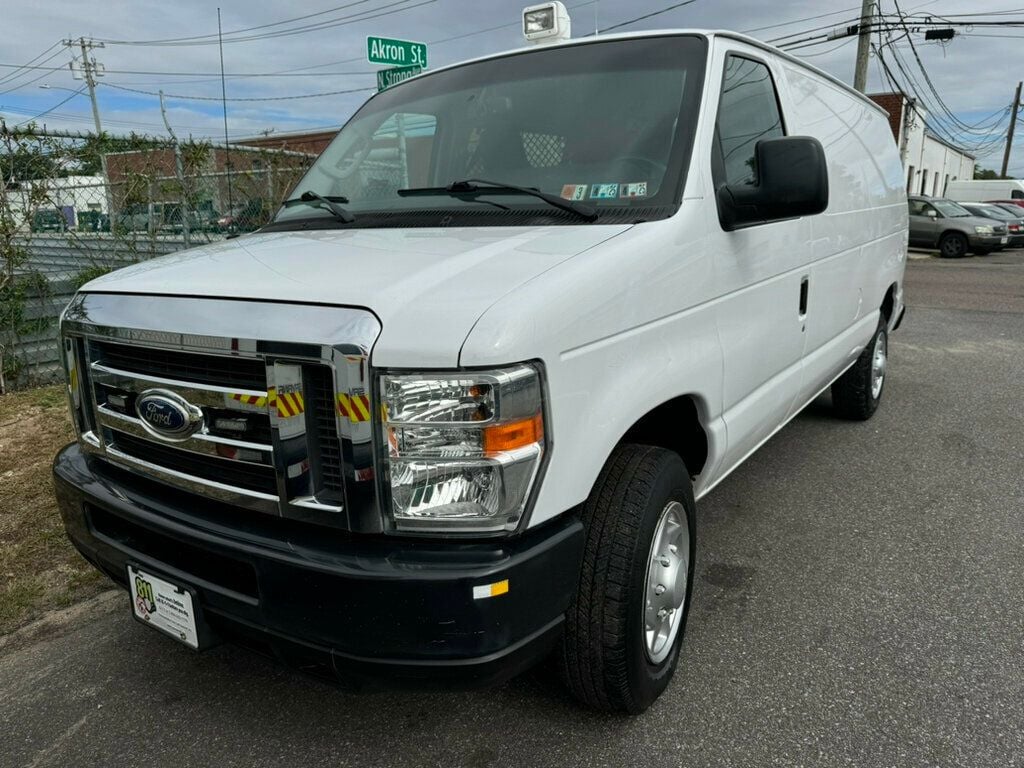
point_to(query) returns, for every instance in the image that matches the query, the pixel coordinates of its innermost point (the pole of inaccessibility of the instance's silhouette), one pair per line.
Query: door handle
(804, 286)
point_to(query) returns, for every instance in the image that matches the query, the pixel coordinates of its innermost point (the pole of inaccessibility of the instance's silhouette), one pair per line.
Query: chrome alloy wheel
(668, 569)
(878, 362)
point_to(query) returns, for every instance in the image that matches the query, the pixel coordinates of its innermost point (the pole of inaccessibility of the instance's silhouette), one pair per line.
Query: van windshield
(605, 123)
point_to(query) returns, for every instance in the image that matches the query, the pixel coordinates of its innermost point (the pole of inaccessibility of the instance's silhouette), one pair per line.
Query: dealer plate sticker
(164, 606)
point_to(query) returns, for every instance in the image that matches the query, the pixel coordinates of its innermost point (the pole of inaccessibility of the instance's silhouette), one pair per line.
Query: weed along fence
(75, 206)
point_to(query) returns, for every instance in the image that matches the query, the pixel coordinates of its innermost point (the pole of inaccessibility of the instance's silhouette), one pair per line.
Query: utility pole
(1009, 133)
(90, 70)
(179, 170)
(860, 73)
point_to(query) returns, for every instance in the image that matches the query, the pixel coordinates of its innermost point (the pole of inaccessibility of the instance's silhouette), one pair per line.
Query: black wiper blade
(327, 202)
(470, 188)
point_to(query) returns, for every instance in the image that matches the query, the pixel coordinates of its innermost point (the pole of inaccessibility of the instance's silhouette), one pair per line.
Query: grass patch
(39, 569)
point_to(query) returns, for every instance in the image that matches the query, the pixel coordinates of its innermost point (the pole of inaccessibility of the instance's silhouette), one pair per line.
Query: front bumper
(989, 242)
(357, 609)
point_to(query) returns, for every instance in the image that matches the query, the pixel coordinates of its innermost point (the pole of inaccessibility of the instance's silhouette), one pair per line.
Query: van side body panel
(680, 307)
(858, 245)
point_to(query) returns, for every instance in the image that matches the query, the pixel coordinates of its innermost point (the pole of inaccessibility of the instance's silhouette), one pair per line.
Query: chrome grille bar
(135, 345)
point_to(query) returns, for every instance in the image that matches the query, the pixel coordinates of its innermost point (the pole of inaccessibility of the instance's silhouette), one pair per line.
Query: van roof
(706, 33)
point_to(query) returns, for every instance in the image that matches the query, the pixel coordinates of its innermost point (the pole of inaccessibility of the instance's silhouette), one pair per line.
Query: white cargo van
(450, 411)
(982, 190)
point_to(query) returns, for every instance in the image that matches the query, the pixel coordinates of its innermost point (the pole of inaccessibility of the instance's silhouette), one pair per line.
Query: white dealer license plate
(1004, 240)
(163, 605)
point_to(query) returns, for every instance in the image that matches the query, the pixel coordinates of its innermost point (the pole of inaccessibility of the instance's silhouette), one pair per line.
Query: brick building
(929, 162)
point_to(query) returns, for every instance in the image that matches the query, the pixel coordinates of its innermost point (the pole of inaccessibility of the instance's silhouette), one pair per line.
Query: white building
(70, 196)
(929, 162)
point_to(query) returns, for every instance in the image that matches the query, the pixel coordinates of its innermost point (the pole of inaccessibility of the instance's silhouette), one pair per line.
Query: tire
(857, 393)
(607, 658)
(952, 245)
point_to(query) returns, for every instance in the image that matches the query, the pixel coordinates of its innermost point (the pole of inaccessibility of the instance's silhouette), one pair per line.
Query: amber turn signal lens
(514, 434)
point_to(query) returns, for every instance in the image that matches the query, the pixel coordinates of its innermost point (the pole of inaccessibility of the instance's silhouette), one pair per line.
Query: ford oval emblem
(168, 415)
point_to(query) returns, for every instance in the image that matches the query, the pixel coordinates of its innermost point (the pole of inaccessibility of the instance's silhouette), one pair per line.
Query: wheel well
(674, 425)
(952, 232)
(889, 302)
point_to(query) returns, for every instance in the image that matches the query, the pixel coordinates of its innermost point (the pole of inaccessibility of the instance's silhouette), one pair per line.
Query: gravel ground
(858, 603)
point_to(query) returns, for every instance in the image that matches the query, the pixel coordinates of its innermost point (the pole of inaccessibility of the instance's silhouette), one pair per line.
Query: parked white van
(450, 411)
(982, 190)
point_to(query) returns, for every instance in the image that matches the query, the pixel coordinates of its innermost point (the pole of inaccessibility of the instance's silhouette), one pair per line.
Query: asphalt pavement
(858, 603)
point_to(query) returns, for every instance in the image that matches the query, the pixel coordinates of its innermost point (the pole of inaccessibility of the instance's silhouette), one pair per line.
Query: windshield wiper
(329, 203)
(472, 188)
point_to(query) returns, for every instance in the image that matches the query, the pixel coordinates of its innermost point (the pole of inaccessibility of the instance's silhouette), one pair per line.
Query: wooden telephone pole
(1009, 133)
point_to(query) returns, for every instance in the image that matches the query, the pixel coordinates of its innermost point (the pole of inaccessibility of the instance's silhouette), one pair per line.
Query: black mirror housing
(792, 181)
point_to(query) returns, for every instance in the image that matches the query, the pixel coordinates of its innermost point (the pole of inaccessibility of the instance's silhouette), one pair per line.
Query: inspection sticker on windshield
(574, 191)
(638, 189)
(604, 191)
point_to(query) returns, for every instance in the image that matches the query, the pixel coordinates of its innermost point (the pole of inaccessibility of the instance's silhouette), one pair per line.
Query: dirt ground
(39, 569)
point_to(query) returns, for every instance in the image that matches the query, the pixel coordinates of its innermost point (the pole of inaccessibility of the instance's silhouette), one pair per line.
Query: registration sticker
(637, 189)
(604, 191)
(574, 191)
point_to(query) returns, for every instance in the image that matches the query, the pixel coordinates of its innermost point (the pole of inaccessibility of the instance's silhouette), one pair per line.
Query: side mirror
(792, 181)
(931, 213)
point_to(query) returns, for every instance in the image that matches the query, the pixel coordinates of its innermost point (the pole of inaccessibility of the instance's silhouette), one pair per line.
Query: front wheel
(857, 393)
(625, 626)
(953, 245)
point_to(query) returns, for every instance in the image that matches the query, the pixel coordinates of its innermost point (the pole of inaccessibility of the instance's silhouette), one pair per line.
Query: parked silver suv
(937, 222)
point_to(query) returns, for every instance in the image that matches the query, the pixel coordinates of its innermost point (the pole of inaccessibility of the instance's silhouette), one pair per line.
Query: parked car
(1019, 203)
(48, 220)
(93, 221)
(1014, 222)
(977, 190)
(939, 223)
(428, 427)
(246, 217)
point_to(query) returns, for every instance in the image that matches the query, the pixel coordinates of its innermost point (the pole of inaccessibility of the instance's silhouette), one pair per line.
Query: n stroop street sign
(395, 53)
(388, 77)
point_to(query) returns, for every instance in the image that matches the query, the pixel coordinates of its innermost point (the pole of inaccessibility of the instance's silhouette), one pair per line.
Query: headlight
(463, 448)
(984, 230)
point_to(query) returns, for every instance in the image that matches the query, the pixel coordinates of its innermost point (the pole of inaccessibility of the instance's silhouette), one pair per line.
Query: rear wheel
(952, 245)
(625, 626)
(857, 393)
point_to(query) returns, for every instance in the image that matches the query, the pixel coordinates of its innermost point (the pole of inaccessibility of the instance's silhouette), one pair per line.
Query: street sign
(388, 77)
(397, 53)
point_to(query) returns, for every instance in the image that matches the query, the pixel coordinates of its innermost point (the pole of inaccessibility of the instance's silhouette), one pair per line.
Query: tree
(984, 173)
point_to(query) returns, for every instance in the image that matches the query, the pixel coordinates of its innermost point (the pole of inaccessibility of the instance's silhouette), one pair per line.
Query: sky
(975, 74)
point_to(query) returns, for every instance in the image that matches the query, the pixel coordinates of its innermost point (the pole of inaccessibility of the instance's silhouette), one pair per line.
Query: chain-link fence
(75, 206)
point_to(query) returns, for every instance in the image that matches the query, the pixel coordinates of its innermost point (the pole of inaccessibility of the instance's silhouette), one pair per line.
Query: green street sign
(398, 53)
(388, 77)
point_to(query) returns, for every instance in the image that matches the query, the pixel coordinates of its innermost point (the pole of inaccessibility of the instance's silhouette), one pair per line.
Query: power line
(375, 13)
(644, 17)
(35, 79)
(240, 98)
(58, 105)
(12, 75)
(167, 40)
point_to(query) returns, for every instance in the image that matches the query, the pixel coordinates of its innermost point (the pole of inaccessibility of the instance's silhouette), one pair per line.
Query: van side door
(760, 270)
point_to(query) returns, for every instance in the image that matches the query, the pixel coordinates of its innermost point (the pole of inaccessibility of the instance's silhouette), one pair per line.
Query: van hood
(427, 286)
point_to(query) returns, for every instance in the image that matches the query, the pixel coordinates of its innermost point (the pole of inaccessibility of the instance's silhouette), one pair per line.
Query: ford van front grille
(253, 421)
